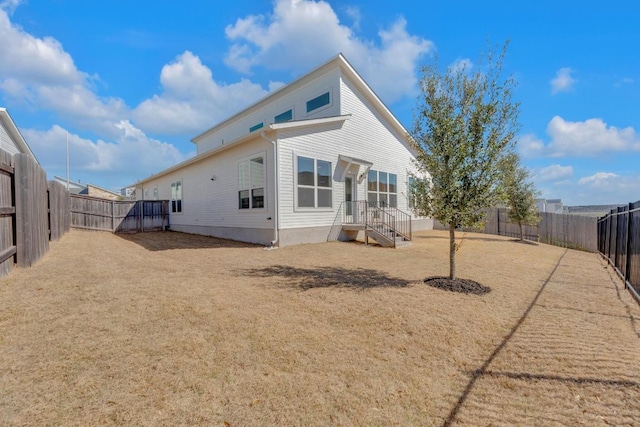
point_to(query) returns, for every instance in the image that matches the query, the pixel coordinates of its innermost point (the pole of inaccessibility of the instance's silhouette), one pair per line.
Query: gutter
(276, 236)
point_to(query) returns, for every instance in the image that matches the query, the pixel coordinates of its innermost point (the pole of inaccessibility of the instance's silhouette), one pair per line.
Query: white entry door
(350, 198)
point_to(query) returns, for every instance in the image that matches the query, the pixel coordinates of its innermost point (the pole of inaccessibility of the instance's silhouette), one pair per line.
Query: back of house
(290, 167)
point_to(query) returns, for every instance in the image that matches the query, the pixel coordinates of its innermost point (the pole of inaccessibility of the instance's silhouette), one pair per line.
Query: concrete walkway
(595, 329)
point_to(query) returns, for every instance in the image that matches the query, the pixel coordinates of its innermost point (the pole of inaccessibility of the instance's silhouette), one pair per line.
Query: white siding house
(280, 171)
(11, 139)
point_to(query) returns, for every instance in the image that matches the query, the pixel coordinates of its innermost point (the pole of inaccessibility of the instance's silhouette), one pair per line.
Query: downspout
(276, 237)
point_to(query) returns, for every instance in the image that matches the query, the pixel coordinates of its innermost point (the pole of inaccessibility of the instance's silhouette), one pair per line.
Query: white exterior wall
(296, 100)
(6, 142)
(211, 207)
(365, 135)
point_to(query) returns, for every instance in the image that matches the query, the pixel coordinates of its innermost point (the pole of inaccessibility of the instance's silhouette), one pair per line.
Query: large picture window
(382, 188)
(176, 197)
(314, 183)
(251, 183)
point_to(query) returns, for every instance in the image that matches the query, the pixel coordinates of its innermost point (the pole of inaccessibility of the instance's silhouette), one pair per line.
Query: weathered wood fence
(91, 213)
(619, 243)
(32, 211)
(569, 231)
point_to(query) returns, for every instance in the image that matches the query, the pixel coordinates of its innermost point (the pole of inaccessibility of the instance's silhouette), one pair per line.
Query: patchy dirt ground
(172, 329)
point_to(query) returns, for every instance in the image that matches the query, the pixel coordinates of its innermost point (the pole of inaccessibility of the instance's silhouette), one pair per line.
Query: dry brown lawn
(173, 329)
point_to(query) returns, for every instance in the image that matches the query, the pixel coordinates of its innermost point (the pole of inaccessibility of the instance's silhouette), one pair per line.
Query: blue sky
(133, 82)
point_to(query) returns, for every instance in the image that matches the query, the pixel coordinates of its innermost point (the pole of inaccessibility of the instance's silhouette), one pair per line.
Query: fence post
(113, 216)
(628, 259)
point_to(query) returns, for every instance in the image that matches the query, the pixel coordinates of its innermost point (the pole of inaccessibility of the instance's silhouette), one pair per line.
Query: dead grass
(172, 329)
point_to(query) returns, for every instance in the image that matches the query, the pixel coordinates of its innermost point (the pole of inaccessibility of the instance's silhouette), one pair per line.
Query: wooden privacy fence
(569, 231)
(619, 243)
(32, 211)
(91, 213)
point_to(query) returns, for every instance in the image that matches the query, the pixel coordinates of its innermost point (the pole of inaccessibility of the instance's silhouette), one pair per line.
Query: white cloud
(588, 138)
(31, 59)
(599, 179)
(304, 33)
(463, 64)
(129, 156)
(354, 13)
(563, 82)
(554, 173)
(192, 100)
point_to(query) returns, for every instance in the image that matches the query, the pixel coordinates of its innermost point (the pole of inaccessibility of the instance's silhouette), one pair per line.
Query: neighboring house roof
(338, 60)
(74, 187)
(15, 134)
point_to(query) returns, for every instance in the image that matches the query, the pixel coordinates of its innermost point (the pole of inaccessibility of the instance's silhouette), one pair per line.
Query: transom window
(251, 183)
(314, 183)
(284, 117)
(318, 101)
(256, 127)
(382, 188)
(176, 197)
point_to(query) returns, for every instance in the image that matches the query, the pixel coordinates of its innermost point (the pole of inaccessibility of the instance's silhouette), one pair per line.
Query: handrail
(384, 219)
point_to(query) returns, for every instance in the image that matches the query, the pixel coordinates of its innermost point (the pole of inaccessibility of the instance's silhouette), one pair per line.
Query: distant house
(321, 153)
(88, 189)
(550, 205)
(11, 139)
(74, 187)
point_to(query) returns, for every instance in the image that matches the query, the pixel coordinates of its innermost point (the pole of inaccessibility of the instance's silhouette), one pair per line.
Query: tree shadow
(329, 277)
(167, 240)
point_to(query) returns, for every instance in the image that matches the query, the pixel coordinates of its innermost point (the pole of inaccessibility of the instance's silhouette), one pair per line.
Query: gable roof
(339, 61)
(15, 134)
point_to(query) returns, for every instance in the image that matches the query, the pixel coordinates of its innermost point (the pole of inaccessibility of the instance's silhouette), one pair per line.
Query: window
(284, 117)
(319, 101)
(251, 183)
(382, 188)
(256, 127)
(314, 183)
(415, 190)
(155, 193)
(176, 197)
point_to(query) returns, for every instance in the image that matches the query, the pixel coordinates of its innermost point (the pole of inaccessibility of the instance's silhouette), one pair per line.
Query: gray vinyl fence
(91, 213)
(32, 211)
(619, 243)
(569, 231)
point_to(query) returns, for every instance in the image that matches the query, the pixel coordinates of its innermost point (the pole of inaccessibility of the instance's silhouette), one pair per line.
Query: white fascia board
(199, 157)
(309, 122)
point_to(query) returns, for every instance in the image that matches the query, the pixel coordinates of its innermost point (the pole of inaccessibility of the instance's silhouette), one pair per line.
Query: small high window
(319, 101)
(256, 127)
(284, 117)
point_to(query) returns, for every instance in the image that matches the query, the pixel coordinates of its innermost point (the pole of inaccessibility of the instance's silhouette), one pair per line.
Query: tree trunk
(521, 234)
(452, 252)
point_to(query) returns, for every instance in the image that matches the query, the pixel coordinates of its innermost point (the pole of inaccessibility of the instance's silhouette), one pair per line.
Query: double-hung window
(382, 188)
(314, 183)
(251, 183)
(176, 197)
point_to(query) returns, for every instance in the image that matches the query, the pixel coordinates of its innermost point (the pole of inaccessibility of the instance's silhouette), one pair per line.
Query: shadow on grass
(484, 368)
(167, 240)
(478, 236)
(329, 277)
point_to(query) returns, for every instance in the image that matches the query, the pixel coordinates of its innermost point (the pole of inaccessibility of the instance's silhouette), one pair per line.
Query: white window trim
(324, 107)
(262, 154)
(296, 208)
